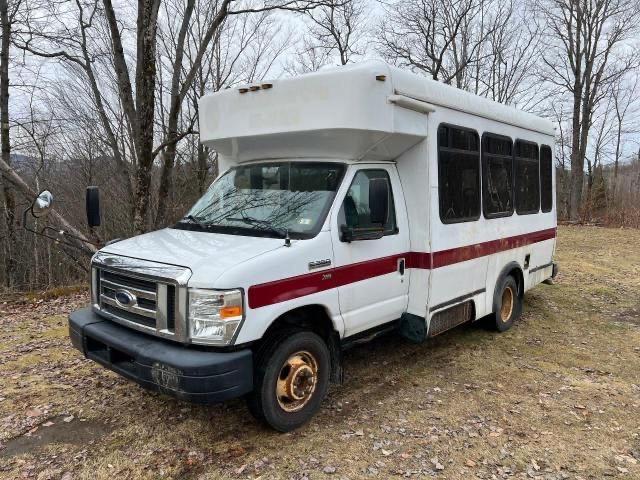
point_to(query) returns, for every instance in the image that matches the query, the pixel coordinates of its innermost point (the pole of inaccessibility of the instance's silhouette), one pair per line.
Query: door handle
(401, 266)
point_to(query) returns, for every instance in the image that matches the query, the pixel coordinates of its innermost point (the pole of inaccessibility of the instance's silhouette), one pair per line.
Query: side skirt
(451, 317)
(368, 335)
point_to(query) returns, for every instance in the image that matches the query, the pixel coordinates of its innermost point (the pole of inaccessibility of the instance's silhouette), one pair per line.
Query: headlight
(214, 315)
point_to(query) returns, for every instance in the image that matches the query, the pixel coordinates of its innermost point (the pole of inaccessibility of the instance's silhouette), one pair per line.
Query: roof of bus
(367, 110)
(440, 94)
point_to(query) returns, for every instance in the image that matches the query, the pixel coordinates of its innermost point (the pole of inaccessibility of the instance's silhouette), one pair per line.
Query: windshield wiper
(260, 223)
(195, 220)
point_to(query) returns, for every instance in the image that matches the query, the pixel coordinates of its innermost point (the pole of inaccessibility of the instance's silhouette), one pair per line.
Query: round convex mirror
(42, 204)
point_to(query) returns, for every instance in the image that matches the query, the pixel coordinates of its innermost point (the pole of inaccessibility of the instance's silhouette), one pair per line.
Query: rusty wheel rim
(507, 304)
(297, 381)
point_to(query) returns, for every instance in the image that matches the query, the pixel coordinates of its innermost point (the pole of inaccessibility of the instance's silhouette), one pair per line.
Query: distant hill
(21, 162)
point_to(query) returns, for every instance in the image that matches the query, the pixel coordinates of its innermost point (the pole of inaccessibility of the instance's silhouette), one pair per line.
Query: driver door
(373, 281)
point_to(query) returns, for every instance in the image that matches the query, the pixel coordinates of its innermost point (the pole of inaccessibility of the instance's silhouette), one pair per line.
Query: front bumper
(192, 374)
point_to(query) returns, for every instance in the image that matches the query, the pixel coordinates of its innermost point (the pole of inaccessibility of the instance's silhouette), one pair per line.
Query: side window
(527, 178)
(458, 174)
(497, 176)
(355, 212)
(546, 178)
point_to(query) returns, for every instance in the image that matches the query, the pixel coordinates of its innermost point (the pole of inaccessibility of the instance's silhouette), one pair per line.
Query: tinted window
(355, 212)
(458, 174)
(497, 175)
(527, 178)
(546, 187)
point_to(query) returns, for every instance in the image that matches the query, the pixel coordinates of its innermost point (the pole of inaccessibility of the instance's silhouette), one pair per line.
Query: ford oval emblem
(124, 298)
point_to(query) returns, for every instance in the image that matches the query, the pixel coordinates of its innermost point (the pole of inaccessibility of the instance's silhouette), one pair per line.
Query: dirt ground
(556, 397)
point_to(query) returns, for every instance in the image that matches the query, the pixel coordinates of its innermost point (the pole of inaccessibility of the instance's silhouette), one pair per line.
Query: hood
(214, 251)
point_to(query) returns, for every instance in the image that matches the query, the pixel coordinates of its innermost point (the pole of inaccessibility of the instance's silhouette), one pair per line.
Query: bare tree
(81, 53)
(339, 27)
(438, 37)
(137, 87)
(585, 53)
(140, 111)
(243, 49)
(507, 60)
(625, 96)
(307, 58)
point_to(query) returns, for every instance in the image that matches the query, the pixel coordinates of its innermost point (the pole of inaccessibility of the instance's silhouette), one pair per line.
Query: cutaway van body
(350, 202)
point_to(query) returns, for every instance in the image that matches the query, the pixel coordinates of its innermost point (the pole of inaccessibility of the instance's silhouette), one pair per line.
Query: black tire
(270, 361)
(505, 314)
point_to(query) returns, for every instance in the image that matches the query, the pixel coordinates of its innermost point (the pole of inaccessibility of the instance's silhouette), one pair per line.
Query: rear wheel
(507, 304)
(291, 379)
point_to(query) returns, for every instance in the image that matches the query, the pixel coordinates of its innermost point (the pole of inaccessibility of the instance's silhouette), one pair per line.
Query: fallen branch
(11, 176)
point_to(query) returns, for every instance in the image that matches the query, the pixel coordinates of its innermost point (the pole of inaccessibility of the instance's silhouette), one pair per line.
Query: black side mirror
(378, 200)
(93, 206)
(346, 234)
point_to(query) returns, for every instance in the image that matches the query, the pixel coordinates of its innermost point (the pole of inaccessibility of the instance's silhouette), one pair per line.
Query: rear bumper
(186, 373)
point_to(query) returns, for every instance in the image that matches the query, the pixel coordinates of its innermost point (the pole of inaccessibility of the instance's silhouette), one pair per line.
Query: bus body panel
(368, 117)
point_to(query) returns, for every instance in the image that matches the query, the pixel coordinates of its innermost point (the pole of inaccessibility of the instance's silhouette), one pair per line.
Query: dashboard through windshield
(268, 199)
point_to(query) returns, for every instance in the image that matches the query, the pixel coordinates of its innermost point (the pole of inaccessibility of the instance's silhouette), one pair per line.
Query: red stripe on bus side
(301, 285)
(289, 288)
(469, 252)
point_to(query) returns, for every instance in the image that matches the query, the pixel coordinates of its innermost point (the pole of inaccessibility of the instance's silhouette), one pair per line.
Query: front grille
(171, 307)
(142, 295)
(133, 282)
(152, 304)
(130, 316)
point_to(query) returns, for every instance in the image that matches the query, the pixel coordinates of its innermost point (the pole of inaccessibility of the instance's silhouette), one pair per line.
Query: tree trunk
(166, 181)
(145, 107)
(203, 154)
(9, 197)
(577, 162)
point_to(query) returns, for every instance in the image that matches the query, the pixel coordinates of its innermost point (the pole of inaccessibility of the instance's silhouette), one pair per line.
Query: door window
(355, 211)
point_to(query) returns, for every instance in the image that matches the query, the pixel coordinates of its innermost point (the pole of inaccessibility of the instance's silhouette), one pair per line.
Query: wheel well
(310, 317)
(316, 319)
(516, 273)
(514, 270)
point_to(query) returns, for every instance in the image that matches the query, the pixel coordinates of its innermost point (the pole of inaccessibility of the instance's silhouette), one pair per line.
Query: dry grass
(558, 396)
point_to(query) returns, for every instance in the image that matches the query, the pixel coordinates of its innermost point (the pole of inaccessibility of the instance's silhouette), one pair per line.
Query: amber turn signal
(230, 312)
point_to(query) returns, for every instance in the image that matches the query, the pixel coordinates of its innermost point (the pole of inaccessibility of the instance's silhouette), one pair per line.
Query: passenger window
(546, 178)
(497, 175)
(527, 178)
(355, 212)
(458, 174)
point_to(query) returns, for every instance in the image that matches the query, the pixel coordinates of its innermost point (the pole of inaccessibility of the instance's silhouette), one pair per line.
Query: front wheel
(507, 304)
(291, 379)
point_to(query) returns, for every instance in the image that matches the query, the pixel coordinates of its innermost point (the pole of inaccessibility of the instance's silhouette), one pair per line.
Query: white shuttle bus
(351, 202)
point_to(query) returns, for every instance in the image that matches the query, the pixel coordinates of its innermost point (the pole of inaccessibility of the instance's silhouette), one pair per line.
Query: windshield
(268, 199)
